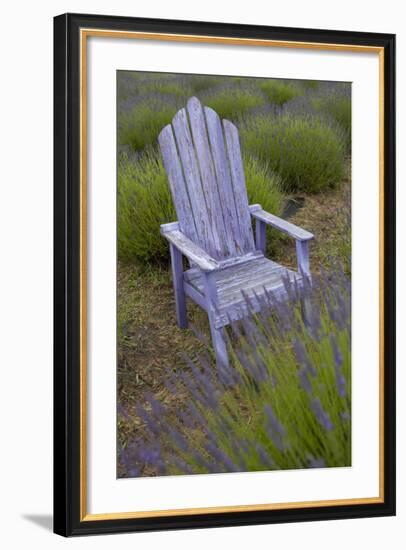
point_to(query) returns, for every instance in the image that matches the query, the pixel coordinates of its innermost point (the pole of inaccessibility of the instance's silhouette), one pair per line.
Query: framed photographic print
(224, 274)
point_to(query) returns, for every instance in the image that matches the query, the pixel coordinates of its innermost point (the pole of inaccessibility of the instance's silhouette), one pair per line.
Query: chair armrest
(188, 248)
(293, 230)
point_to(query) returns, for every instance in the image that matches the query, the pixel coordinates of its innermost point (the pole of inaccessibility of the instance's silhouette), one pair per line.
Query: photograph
(233, 274)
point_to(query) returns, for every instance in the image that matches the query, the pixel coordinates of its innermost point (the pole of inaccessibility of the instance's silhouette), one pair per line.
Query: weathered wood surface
(302, 253)
(240, 190)
(177, 184)
(205, 172)
(192, 251)
(250, 279)
(209, 282)
(225, 184)
(178, 286)
(208, 178)
(286, 227)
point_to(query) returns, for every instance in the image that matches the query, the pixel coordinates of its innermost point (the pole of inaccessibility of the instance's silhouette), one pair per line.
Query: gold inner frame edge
(84, 34)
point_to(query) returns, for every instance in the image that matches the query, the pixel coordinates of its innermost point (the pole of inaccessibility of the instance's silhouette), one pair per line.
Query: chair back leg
(178, 288)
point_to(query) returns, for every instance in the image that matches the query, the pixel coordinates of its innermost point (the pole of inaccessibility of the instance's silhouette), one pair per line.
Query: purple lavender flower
(302, 357)
(264, 457)
(338, 361)
(221, 457)
(304, 380)
(322, 416)
(338, 358)
(274, 429)
(316, 462)
(148, 419)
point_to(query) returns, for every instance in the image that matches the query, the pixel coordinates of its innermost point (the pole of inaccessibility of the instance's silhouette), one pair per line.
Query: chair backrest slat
(177, 184)
(194, 186)
(240, 190)
(208, 177)
(225, 185)
(203, 162)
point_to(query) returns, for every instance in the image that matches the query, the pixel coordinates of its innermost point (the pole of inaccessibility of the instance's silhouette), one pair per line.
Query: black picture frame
(67, 354)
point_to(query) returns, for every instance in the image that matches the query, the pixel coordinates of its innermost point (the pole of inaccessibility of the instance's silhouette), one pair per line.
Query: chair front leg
(303, 264)
(303, 261)
(218, 334)
(178, 288)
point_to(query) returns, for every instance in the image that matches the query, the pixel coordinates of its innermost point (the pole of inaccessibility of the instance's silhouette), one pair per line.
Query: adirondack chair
(202, 159)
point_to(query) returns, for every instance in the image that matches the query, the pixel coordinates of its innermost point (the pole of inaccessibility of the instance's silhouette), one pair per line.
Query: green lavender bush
(338, 107)
(140, 126)
(307, 152)
(233, 101)
(144, 203)
(279, 91)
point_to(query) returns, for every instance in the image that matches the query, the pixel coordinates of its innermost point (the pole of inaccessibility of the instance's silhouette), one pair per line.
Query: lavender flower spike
(322, 416)
(338, 361)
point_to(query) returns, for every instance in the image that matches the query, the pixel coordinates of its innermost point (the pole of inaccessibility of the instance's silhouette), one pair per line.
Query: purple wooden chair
(202, 159)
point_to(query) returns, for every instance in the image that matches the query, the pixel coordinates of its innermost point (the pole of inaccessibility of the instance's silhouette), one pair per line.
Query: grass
(308, 153)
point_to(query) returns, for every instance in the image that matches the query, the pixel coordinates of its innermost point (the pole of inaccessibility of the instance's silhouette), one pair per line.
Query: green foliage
(338, 107)
(307, 152)
(279, 91)
(309, 84)
(233, 102)
(141, 126)
(201, 83)
(264, 187)
(176, 87)
(144, 203)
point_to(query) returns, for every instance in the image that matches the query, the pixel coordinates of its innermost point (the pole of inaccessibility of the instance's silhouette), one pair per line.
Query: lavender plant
(279, 91)
(335, 103)
(232, 100)
(306, 151)
(284, 402)
(140, 119)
